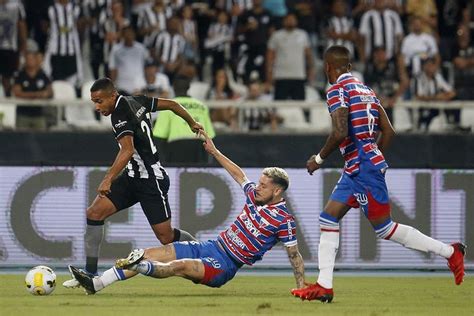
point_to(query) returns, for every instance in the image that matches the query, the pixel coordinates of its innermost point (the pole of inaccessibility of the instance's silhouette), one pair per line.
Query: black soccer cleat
(84, 278)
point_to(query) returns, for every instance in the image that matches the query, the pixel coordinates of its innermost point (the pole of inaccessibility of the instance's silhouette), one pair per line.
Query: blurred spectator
(31, 82)
(381, 26)
(417, 46)
(153, 19)
(289, 61)
(13, 34)
(388, 78)
(431, 86)
(253, 30)
(220, 90)
(112, 29)
(37, 20)
(257, 119)
(308, 12)
(181, 143)
(190, 34)
(63, 60)
(464, 65)
(127, 63)
(136, 10)
(340, 29)
(426, 10)
(167, 47)
(96, 14)
(157, 84)
(218, 41)
(451, 14)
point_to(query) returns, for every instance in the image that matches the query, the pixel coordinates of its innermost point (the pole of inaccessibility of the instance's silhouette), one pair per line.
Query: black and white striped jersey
(10, 14)
(63, 34)
(341, 25)
(168, 48)
(381, 29)
(132, 117)
(97, 11)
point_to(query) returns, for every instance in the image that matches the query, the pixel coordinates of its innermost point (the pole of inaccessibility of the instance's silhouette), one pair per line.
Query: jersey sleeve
(249, 190)
(122, 121)
(287, 232)
(337, 97)
(151, 104)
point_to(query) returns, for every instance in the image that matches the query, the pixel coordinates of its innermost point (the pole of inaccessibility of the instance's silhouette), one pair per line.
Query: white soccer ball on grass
(40, 280)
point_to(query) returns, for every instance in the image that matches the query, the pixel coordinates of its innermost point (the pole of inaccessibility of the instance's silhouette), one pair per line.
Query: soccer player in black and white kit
(144, 180)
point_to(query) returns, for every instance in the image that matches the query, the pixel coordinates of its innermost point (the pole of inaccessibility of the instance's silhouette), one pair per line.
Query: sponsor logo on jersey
(140, 111)
(249, 225)
(120, 124)
(235, 239)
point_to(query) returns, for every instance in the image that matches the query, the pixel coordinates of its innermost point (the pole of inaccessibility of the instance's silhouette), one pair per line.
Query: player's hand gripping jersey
(359, 147)
(257, 229)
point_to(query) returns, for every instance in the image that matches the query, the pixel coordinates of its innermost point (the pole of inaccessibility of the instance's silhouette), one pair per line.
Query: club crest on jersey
(120, 124)
(140, 111)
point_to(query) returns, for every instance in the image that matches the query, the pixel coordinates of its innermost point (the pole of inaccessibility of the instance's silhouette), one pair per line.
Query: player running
(362, 130)
(263, 222)
(144, 179)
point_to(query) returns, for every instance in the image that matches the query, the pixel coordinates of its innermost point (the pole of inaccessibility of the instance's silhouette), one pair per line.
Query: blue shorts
(366, 190)
(219, 268)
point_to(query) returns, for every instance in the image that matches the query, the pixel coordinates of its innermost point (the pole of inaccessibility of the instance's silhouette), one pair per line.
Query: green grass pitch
(245, 295)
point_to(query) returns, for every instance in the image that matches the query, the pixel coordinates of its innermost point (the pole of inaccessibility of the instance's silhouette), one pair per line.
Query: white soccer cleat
(71, 284)
(133, 258)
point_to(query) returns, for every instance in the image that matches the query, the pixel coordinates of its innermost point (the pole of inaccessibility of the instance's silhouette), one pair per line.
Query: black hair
(103, 84)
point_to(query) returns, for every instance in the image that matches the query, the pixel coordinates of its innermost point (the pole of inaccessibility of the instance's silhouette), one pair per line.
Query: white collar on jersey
(343, 76)
(118, 99)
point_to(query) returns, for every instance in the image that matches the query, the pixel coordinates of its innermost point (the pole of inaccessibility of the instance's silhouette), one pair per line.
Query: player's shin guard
(414, 239)
(93, 239)
(328, 246)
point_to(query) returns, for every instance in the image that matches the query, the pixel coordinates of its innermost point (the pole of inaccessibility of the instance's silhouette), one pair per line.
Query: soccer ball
(40, 280)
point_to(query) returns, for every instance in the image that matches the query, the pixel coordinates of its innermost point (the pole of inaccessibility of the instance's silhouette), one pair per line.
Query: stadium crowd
(259, 50)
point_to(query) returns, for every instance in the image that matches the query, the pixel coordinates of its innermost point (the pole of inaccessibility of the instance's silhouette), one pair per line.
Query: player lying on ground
(263, 222)
(358, 119)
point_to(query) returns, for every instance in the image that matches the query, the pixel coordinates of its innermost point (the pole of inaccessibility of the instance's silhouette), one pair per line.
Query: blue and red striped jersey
(360, 145)
(257, 229)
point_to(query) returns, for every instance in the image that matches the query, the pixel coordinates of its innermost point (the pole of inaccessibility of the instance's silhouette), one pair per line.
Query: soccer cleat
(133, 258)
(71, 284)
(84, 278)
(314, 292)
(456, 262)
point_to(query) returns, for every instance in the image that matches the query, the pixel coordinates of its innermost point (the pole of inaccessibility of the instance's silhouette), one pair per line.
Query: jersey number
(147, 131)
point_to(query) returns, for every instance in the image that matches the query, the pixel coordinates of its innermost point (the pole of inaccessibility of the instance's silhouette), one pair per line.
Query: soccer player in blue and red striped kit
(362, 131)
(263, 222)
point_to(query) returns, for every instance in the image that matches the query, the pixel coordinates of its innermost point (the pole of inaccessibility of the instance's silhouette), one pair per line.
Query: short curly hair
(278, 175)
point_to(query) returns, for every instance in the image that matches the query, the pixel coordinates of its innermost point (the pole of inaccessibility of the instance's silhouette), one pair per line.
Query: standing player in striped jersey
(362, 132)
(263, 222)
(144, 180)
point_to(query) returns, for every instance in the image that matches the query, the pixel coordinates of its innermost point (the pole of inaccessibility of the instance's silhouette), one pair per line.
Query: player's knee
(95, 213)
(328, 223)
(385, 230)
(165, 237)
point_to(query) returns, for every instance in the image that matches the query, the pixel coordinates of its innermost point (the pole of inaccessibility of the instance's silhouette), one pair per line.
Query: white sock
(107, 278)
(414, 239)
(328, 246)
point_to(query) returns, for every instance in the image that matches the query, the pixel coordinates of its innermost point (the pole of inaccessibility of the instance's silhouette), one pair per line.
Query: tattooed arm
(297, 264)
(338, 133)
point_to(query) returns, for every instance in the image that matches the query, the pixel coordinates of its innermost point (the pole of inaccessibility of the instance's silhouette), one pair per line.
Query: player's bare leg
(412, 238)
(328, 246)
(191, 269)
(97, 212)
(166, 234)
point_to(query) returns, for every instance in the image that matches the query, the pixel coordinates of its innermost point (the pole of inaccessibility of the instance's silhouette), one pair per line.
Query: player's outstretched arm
(339, 131)
(387, 130)
(297, 264)
(234, 170)
(123, 157)
(178, 109)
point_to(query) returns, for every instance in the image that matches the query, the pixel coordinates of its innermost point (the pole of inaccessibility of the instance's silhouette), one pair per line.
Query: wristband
(318, 159)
